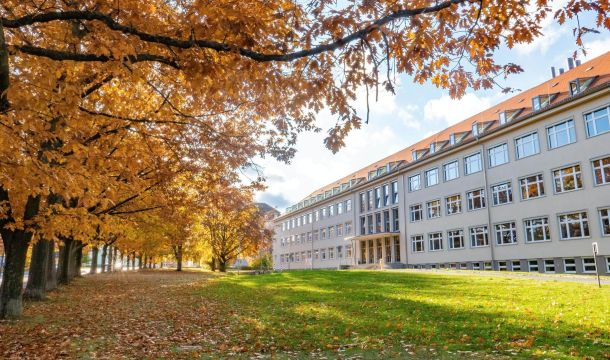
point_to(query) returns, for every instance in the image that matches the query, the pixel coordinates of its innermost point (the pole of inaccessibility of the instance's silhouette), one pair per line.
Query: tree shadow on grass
(308, 310)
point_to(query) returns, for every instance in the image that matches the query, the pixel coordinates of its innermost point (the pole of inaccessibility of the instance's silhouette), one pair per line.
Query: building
(521, 186)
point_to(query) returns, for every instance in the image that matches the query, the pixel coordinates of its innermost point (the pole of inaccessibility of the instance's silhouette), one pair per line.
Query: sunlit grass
(390, 314)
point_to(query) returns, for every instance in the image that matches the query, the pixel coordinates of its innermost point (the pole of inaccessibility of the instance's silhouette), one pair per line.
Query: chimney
(560, 71)
(577, 62)
(553, 71)
(570, 63)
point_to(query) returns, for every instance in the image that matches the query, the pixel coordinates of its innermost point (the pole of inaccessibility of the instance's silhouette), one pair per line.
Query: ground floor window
(316, 254)
(516, 265)
(435, 241)
(588, 265)
(502, 265)
(371, 252)
(388, 250)
(476, 266)
(608, 264)
(488, 265)
(569, 265)
(463, 266)
(323, 254)
(348, 251)
(331, 253)
(532, 265)
(379, 249)
(396, 249)
(339, 252)
(549, 266)
(417, 243)
(363, 252)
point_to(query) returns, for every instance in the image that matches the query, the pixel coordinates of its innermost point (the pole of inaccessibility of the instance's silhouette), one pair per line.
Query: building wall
(589, 199)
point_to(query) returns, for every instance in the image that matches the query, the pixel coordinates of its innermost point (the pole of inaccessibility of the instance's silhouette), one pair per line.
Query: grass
(392, 314)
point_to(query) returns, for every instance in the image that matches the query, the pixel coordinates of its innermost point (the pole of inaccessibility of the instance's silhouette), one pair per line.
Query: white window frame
(584, 266)
(587, 121)
(604, 218)
(512, 265)
(473, 231)
(426, 177)
(418, 239)
(529, 229)
(455, 234)
(500, 230)
(524, 183)
(608, 264)
(428, 208)
(582, 221)
(493, 154)
(572, 265)
(561, 175)
(495, 193)
(470, 199)
(531, 265)
(438, 239)
(552, 132)
(548, 263)
(449, 200)
(521, 143)
(602, 170)
(412, 212)
(468, 162)
(454, 167)
(412, 182)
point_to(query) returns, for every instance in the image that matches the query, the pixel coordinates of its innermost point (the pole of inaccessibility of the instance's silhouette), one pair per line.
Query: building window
(453, 204)
(362, 225)
(567, 179)
(386, 220)
(549, 265)
(370, 200)
(601, 171)
(310, 236)
(515, 265)
(455, 239)
(478, 236)
(396, 240)
(561, 134)
(331, 210)
(431, 177)
(569, 265)
(498, 155)
(608, 264)
(388, 250)
(331, 253)
(588, 265)
(527, 145)
(604, 217)
(502, 265)
(416, 212)
(506, 233)
(323, 254)
(348, 205)
(396, 219)
(476, 199)
(377, 198)
(574, 226)
(531, 187)
(340, 208)
(488, 265)
(434, 209)
(370, 224)
(323, 214)
(435, 241)
(472, 164)
(348, 228)
(340, 230)
(362, 202)
(417, 243)
(537, 229)
(331, 232)
(371, 252)
(386, 194)
(415, 182)
(348, 251)
(395, 192)
(532, 265)
(597, 122)
(315, 235)
(378, 222)
(451, 170)
(501, 194)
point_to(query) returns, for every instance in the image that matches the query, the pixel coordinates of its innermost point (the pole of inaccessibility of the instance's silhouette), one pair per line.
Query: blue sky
(416, 111)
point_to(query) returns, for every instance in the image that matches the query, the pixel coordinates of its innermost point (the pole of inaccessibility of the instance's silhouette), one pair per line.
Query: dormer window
(372, 174)
(414, 155)
(452, 139)
(541, 101)
(503, 117)
(579, 85)
(508, 115)
(475, 129)
(432, 148)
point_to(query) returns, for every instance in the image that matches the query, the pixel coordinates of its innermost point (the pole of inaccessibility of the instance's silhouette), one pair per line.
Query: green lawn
(394, 314)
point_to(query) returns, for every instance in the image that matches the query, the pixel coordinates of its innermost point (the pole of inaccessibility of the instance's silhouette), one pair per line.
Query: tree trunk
(213, 265)
(37, 275)
(65, 258)
(15, 250)
(222, 264)
(104, 255)
(140, 262)
(178, 255)
(52, 267)
(94, 252)
(78, 258)
(133, 261)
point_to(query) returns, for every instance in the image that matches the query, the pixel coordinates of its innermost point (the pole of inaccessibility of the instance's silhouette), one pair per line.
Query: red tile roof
(598, 67)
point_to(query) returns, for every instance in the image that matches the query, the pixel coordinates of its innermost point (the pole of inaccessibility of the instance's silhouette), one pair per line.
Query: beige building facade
(522, 186)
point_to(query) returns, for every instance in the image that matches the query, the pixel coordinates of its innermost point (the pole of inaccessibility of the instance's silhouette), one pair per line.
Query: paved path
(592, 279)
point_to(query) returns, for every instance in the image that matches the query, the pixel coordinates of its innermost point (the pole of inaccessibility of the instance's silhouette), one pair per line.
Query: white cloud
(597, 47)
(550, 29)
(450, 111)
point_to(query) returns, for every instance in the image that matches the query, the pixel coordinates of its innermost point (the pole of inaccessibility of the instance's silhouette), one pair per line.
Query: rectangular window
(340, 230)
(415, 182)
(396, 240)
(574, 226)
(323, 254)
(561, 134)
(417, 243)
(478, 236)
(549, 265)
(498, 155)
(348, 251)
(502, 194)
(362, 225)
(331, 253)
(455, 239)
(608, 264)
(386, 194)
(598, 122)
(502, 265)
(309, 236)
(527, 145)
(340, 208)
(348, 228)
(370, 224)
(435, 241)
(434, 209)
(532, 265)
(362, 202)
(567, 179)
(377, 198)
(601, 171)
(431, 177)
(378, 222)
(331, 210)
(569, 265)
(515, 265)
(370, 200)
(531, 187)
(388, 250)
(395, 219)
(416, 213)
(604, 219)
(588, 265)
(386, 221)
(315, 235)
(506, 233)
(453, 204)
(473, 164)
(348, 205)
(537, 229)
(476, 199)
(451, 170)
(331, 232)
(323, 214)
(395, 192)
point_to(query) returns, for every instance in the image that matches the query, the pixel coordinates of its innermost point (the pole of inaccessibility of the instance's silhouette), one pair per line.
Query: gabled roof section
(559, 88)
